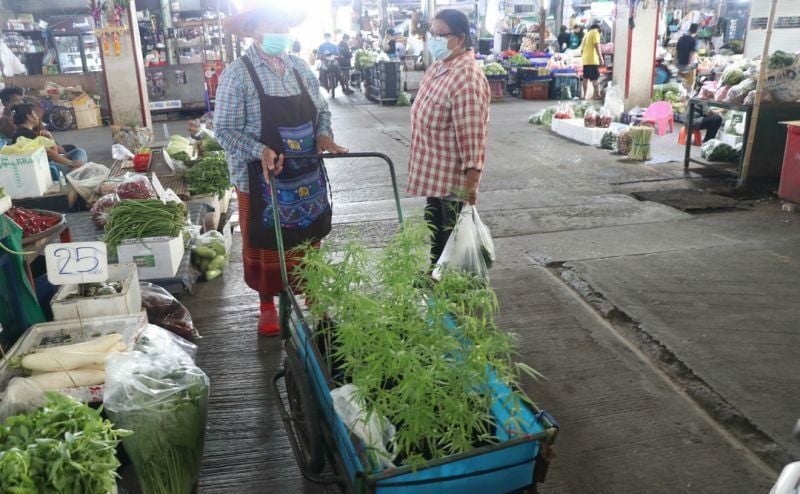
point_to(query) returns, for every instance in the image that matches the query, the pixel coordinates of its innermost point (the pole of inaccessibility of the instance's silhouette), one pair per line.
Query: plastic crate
(534, 91)
(561, 81)
(497, 88)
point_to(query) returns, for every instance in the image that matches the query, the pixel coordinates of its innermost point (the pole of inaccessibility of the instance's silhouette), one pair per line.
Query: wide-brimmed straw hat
(289, 13)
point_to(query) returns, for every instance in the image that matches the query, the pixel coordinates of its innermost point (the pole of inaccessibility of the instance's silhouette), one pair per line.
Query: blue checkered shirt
(237, 113)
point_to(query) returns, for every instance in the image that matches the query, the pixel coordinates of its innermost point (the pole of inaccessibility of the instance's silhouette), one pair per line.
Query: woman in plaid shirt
(449, 122)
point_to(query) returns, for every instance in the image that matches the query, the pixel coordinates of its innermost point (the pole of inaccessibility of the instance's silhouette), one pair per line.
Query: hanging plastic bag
(485, 237)
(160, 395)
(164, 310)
(87, 178)
(465, 250)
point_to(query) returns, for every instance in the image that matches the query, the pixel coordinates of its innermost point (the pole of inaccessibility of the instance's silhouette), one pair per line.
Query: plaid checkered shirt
(449, 123)
(237, 113)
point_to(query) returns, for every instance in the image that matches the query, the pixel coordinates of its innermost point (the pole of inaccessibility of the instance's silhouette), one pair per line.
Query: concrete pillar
(635, 39)
(125, 79)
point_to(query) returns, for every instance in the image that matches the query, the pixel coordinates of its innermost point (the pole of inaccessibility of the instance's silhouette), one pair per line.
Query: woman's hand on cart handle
(270, 160)
(326, 144)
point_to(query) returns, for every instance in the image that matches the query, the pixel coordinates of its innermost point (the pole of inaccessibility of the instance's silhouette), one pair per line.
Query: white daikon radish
(101, 344)
(119, 347)
(63, 361)
(69, 379)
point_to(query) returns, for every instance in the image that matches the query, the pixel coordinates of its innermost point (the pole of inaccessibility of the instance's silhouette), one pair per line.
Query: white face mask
(437, 46)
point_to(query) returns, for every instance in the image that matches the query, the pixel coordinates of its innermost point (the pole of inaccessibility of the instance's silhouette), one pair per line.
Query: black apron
(288, 127)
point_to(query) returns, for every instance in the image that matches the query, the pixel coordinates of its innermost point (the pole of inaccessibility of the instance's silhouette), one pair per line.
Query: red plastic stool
(697, 137)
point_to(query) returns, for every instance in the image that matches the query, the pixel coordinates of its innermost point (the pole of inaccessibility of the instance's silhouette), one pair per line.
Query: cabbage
(732, 76)
(180, 148)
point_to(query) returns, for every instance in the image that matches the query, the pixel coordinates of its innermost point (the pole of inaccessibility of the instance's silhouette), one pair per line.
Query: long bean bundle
(142, 219)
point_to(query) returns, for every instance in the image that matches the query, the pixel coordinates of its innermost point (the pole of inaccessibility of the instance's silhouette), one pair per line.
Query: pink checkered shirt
(449, 123)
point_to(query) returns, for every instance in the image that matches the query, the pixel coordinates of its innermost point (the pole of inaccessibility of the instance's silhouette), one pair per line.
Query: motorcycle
(330, 73)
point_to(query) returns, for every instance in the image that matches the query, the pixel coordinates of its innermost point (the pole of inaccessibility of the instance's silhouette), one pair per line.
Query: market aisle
(625, 430)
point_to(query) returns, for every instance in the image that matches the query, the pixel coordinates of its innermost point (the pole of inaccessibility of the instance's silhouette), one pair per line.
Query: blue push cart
(327, 453)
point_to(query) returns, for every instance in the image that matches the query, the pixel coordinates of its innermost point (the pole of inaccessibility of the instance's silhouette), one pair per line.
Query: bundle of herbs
(395, 339)
(210, 175)
(158, 393)
(63, 446)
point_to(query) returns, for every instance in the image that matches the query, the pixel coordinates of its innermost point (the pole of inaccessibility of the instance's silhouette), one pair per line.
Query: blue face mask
(275, 43)
(438, 48)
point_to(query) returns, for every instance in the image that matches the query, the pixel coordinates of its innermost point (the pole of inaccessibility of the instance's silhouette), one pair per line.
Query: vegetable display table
(696, 103)
(185, 280)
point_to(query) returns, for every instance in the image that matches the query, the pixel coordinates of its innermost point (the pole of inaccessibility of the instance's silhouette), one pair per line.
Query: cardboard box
(155, 258)
(25, 175)
(86, 118)
(127, 302)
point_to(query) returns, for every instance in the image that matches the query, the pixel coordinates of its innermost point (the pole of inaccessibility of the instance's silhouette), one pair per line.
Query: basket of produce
(37, 224)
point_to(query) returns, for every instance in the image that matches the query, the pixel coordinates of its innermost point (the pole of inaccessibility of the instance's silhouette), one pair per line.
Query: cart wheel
(61, 118)
(304, 413)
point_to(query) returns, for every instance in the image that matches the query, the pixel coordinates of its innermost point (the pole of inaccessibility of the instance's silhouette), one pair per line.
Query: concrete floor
(668, 340)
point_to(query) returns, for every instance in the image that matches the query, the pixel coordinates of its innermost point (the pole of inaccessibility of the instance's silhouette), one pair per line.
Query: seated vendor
(708, 120)
(9, 97)
(26, 121)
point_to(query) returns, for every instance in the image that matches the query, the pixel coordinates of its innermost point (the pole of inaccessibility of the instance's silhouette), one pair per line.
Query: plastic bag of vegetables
(160, 395)
(209, 254)
(164, 310)
(181, 149)
(403, 99)
(738, 93)
(716, 150)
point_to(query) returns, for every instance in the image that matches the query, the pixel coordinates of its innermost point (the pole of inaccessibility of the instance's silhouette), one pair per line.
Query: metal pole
(762, 75)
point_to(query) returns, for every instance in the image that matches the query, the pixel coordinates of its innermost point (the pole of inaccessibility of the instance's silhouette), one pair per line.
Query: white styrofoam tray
(66, 333)
(127, 302)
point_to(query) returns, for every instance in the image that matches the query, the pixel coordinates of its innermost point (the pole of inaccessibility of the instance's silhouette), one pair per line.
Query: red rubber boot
(268, 324)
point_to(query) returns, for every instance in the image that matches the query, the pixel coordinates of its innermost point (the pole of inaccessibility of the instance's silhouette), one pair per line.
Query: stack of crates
(497, 86)
(385, 86)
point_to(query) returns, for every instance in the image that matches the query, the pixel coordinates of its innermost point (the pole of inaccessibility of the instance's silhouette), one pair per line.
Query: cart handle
(276, 212)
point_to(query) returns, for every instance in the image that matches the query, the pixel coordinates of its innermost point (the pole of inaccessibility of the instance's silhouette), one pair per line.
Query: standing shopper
(687, 52)
(592, 60)
(449, 123)
(268, 109)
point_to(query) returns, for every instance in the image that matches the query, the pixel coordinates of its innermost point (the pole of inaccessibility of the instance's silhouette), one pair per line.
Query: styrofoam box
(575, 129)
(155, 258)
(69, 332)
(25, 175)
(730, 139)
(127, 302)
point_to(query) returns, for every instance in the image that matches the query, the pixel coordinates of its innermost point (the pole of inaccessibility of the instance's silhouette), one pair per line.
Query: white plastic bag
(22, 395)
(615, 102)
(470, 247)
(376, 432)
(87, 178)
(120, 152)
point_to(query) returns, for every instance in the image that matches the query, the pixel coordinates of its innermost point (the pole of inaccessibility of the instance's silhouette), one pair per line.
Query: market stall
(88, 316)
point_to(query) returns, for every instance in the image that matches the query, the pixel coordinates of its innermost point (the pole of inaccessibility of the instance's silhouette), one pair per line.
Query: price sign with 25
(76, 262)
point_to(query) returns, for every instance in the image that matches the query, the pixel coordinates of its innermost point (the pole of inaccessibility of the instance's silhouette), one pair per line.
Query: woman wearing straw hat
(269, 108)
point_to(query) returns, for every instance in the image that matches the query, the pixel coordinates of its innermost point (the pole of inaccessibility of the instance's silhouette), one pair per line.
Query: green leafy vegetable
(494, 69)
(62, 447)
(180, 148)
(519, 60)
(210, 175)
(781, 59)
(209, 144)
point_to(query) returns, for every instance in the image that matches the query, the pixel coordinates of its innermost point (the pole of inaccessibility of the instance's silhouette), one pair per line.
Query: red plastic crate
(497, 88)
(535, 91)
(141, 162)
